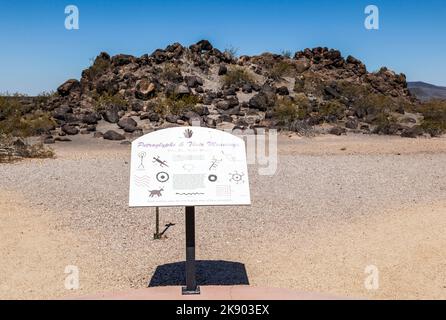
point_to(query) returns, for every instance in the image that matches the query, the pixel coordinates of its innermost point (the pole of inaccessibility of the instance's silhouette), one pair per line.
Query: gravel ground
(312, 226)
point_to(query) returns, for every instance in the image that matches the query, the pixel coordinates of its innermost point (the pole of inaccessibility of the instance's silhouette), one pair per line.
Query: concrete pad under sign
(212, 293)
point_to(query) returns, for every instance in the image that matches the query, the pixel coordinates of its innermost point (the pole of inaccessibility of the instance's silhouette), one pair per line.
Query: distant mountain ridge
(426, 91)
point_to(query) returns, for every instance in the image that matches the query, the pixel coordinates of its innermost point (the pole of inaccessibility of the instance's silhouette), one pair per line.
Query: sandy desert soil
(335, 206)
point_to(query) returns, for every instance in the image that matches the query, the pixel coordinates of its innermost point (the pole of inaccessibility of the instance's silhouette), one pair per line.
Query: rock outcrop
(316, 88)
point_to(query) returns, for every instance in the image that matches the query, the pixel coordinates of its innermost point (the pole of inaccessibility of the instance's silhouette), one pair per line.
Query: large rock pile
(316, 90)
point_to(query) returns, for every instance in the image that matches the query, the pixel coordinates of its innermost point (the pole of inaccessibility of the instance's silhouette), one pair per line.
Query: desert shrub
(434, 113)
(12, 149)
(171, 72)
(309, 82)
(176, 105)
(231, 52)
(304, 107)
(333, 109)
(43, 97)
(237, 77)
(287, 53)
(20, 120)
(286, 110)
(98, 68)
(279, 70)
(105, 100)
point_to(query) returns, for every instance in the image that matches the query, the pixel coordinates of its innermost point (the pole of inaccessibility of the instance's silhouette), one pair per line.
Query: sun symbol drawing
(236, 177)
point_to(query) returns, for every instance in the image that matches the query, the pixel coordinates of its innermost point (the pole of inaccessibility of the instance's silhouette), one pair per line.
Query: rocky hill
(315, 91)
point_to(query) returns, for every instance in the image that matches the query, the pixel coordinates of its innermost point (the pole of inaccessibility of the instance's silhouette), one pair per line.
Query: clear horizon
(39, 53)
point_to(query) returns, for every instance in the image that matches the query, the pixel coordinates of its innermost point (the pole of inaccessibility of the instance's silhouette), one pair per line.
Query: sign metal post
(191, 282)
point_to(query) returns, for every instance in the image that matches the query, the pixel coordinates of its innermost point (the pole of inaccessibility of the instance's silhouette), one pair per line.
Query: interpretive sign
(188, 166)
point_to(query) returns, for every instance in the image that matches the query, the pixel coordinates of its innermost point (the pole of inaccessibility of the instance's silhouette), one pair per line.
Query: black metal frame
(191, 282)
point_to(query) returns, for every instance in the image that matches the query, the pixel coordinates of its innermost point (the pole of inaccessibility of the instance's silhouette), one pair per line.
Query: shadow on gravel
(217, 273)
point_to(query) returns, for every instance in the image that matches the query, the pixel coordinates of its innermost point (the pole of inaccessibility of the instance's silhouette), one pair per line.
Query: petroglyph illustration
(141, 156)
(156, 193)
(162, 177)
(212, 178)
(188, 133)
(214, 163)
(190, 194)
(142, 182)
(236, 177)
(162, 163)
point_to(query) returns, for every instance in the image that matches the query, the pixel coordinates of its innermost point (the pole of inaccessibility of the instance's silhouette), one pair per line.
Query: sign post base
(191, 282)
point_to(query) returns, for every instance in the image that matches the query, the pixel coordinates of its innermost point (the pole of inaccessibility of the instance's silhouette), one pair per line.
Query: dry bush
(105, 100)
(280, 69)
(237, 77)
(434, 113)
(13, 149)
(20, 120)
(176, 105)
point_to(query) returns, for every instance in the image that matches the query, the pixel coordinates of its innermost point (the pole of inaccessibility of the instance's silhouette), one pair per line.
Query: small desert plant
(280, 69)
(286, 53)
(231, 52)
(286, 110)
(105, 100)
(237, 76)
(176, 105)
(171, 72)
(12, 149)
(98, 67)
(332, 110)
(434, 113)
(19, 120)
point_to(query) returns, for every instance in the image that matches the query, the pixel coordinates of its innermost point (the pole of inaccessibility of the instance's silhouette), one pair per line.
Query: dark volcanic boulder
(262, 101)
(193, 81)
(283, 91)
(172, 118)
(203, 45)
(61, 112)
(70, 130)
(113, 135)
(337, 131)
(70, 85)
(127, 124)
(91, 118)
(111, 114)
(122, 59)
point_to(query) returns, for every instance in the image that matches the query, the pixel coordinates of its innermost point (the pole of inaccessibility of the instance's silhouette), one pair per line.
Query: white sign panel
(188, 166)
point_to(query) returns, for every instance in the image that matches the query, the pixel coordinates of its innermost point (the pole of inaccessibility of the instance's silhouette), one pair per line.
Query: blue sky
(37, 53)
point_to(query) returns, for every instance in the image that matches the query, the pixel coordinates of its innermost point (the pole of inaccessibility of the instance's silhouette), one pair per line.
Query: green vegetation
(19, 119)
(237, 76)
(105, 100)
(280, 69)
(176, 105)
(333, 108)
(98, 68)
(287, 110)
(434, 113)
